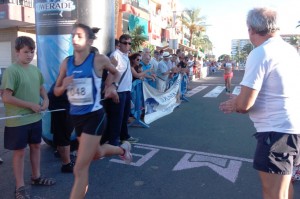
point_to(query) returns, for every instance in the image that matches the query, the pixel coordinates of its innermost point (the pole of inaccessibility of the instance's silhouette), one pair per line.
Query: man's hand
(229, 106)
(111, 92)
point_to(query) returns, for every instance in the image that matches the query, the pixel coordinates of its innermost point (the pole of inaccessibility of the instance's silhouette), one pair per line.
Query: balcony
(16, 13)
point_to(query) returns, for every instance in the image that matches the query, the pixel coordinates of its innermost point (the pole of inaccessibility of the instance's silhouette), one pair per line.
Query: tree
(247, 49)
(137, 38)
(191, 20)
(222, 57)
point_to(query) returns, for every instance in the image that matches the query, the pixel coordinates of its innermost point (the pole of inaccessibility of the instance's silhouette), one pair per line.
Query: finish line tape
(25, 115)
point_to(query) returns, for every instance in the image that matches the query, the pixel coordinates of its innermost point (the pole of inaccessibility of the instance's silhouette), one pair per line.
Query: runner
(228, 73)
(81, 75)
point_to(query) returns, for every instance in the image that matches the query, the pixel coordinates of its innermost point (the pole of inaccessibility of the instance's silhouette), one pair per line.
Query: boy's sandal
(21, 193)
(43, 181)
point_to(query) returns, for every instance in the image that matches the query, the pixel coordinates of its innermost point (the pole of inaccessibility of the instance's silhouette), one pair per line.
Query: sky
(227, 18)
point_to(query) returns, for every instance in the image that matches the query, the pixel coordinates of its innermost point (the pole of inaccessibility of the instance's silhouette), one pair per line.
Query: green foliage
(221, 57)
(150, 47)
(191, 20)
(137, 38)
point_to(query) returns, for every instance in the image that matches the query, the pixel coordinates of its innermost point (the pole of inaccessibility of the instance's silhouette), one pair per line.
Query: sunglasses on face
(125, 43)
(138, 60)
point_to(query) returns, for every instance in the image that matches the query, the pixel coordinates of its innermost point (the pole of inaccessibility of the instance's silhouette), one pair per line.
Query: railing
(26, 3)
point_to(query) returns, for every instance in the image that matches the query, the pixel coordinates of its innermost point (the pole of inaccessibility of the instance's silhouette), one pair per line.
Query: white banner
(159, 104)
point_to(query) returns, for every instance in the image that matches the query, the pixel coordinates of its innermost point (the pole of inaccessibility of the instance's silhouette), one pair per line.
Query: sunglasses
(125, 43)
(138, 60)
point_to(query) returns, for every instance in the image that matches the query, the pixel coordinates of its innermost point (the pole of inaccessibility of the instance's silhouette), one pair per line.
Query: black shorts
(61, 128)
(16, 138)
(277, 153)
(93, 123)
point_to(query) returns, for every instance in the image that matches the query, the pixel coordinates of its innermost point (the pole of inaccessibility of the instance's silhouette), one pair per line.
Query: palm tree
(137, 38)
(116, 15)
(247, 49)
(192, 20)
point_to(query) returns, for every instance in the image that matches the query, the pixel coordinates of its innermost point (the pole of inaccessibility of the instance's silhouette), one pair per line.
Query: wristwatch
(116, 84)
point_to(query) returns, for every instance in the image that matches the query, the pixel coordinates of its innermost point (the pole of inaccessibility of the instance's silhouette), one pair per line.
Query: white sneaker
(127, 157)
(1, 161)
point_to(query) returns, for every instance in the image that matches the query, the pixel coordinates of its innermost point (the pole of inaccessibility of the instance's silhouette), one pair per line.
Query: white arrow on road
(227, 168)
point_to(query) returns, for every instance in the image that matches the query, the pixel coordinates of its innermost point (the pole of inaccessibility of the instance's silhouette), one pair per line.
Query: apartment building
(17, 18)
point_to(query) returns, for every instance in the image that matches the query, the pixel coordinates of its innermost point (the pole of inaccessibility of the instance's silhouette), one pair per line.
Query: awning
(135, 11)
(135, 21)
(181, 46)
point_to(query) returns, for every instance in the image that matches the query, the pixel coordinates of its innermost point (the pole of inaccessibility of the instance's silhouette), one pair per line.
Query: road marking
(236, 90)
(229, 169)
(215, 92)
(142, 158)
(195, 90)
(194, 152)
(225, 166)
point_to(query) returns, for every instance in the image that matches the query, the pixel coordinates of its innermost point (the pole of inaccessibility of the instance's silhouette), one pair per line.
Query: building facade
(17, 18)
(158, 18)
(238, 44)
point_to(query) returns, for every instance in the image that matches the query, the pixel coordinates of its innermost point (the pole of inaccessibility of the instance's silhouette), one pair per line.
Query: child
(23, 89)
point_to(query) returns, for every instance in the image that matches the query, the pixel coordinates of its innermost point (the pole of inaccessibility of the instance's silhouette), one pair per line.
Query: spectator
(161, 52)
(268, 96)
(117, 45)
(154, 61)
(136, 67)
(163, 72)
(18, 99)
(1, 91)
(118, 113)
(61, 128)
(148, 70)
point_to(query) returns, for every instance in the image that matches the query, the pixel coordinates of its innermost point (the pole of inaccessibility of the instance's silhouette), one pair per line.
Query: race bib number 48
(80, 92)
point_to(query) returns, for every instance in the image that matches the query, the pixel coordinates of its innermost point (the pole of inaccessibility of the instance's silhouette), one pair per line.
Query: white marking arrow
(229, 172)
(143, 157)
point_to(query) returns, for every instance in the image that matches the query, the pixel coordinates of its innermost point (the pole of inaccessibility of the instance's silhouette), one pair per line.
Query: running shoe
(127, 157)
(131, 140)
(67, 168)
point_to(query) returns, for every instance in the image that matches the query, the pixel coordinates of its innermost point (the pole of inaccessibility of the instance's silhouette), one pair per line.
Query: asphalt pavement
(197, 152)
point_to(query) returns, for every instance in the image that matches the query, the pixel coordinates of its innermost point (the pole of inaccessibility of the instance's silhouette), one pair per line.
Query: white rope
(25, 115)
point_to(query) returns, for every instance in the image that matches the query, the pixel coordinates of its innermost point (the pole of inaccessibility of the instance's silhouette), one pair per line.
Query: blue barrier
(138, 103)
(184, 86)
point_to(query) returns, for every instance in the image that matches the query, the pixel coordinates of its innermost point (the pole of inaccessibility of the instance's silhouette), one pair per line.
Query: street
(197, 152)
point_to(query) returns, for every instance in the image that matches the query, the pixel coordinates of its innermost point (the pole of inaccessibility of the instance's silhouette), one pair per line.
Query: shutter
(5, 54)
